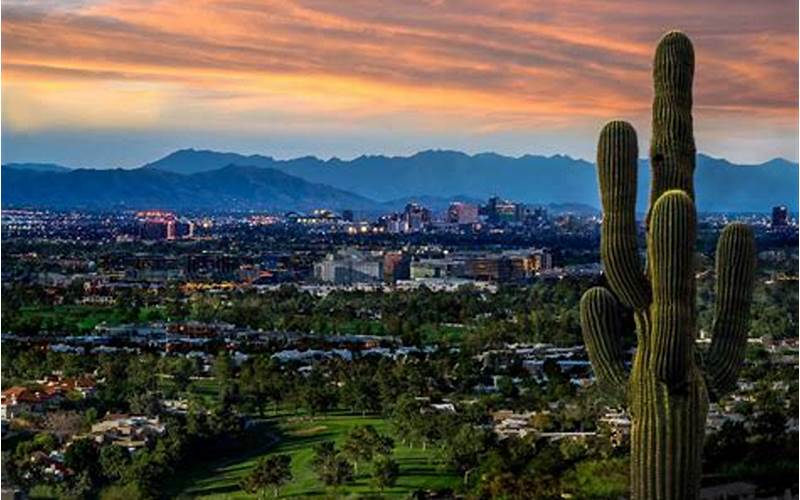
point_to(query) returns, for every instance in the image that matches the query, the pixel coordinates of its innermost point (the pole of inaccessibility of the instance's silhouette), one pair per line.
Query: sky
(120, 83)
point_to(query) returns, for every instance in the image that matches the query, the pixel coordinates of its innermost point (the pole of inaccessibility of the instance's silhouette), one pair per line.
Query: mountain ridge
(233, 187)
(530, 178)
(438, 174)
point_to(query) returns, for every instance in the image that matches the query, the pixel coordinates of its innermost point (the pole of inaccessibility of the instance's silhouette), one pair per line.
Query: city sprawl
(433, 353)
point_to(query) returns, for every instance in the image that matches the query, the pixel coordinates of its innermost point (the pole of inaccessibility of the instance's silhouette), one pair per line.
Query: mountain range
(213, 180)
(228, 188)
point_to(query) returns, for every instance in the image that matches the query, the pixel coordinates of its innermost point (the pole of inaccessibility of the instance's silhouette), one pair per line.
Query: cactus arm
(672, 147)
(667, 393)
(601, 324)
(617, 157)
(735, 263)
(671, 241)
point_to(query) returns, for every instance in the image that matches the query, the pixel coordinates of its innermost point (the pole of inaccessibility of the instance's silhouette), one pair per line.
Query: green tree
(332, 468)
(464, 450)
(406, 417)
(113, 462)
(145, 403)
(82, 456)
(270, 472)
(223, 373)
(147, 470)
(385, 471)
(315, 392)
(598, 479)
(363, 443)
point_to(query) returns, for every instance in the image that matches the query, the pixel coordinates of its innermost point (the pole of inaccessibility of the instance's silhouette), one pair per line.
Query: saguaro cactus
(669, 386)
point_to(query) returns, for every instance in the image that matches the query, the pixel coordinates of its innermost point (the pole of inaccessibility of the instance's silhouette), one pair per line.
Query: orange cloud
(471, 66)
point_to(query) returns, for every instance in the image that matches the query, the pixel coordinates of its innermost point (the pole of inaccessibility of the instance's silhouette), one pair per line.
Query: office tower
(780, 216)
(415, 218)
(462, 213)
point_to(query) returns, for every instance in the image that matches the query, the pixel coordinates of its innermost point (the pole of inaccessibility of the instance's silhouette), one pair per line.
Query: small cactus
(668, 389)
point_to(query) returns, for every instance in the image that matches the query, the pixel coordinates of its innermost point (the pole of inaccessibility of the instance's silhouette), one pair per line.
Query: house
(18, 400)
(84, 385)
(98, 300)
(50, 465)
(618, 423)
(717, 418)
(506, 423)
(180, 406)
(10, 405)
(574, 436)
(130, 431)
(443, 407)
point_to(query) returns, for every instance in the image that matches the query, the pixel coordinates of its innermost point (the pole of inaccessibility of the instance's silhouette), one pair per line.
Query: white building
(348, 267)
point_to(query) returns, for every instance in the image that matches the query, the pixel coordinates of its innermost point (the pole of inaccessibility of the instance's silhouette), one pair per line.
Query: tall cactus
(668, 387)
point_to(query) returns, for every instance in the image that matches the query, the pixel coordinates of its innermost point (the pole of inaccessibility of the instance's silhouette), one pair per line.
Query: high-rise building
(391, 223)
(497, 211)
(158, 225)
(780, 216)
(542, 260)
(415, 218)
(153, 230)
(462, 213)
(170, 229)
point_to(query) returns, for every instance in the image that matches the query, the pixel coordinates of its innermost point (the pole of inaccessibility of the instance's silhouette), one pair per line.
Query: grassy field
(77, 318)
(418, 469)
(207, 388)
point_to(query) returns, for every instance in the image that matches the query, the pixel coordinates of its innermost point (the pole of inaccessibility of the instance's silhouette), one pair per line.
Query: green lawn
(207, 388)
(432, 333)
(79, 318)
(418, 469)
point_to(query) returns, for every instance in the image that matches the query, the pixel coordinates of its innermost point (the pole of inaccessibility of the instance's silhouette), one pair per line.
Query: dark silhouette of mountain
(723, 186)
(720, 185)
(39, 167)
(229, 188)
(208, 179)
(193, 161)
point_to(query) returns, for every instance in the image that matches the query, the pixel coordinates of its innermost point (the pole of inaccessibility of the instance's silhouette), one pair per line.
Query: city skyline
(114, 84)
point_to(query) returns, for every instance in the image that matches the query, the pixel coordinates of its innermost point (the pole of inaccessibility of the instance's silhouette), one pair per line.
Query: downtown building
(462, 213)
(415, 218)
(157, 225)
(780, 217)
(350, 266)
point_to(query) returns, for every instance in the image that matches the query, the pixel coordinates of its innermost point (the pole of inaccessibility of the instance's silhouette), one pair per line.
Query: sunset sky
(120, 83)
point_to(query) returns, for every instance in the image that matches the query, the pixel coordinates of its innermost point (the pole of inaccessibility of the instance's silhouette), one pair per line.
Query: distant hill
(721, 185)
(229, 188)
(211, 180)
(38, 167)
(193, 161)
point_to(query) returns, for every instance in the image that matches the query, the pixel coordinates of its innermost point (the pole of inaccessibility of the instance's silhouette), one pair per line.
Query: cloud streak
(469, 67)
